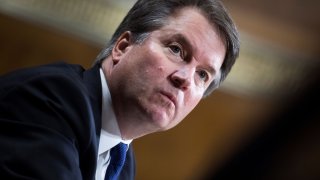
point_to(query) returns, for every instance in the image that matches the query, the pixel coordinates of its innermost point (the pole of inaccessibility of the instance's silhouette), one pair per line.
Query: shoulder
(50, 104)
(53, 96)
(34, 73)
(44, 78)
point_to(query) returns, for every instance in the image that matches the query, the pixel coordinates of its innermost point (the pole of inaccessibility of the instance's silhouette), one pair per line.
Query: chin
(161, 121)
(159, 117)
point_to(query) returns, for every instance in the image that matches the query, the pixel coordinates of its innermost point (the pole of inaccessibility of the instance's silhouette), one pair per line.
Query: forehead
(190, 25)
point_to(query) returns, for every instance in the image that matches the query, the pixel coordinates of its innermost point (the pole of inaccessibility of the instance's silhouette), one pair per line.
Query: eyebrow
(185, 41)
(211, 70)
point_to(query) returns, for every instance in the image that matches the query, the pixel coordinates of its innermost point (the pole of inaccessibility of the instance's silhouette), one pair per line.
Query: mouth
(170, 96)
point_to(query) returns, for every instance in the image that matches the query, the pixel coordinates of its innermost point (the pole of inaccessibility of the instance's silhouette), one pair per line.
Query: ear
(121, 46)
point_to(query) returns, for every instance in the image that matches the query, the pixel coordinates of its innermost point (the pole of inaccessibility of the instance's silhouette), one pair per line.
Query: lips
(170, 96)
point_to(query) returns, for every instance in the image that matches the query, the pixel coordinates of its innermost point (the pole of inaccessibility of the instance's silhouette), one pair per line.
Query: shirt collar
(110, 132)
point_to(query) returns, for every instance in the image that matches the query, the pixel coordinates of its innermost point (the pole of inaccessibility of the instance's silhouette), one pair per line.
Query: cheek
(191, 100)
(193, 96)
(189, 103)
(184, 111)
(153, 66)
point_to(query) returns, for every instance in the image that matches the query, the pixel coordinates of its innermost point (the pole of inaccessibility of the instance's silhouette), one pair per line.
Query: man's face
(154, 85)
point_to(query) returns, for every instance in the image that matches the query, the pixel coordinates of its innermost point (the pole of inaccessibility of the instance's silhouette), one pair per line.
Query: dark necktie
(118, 156)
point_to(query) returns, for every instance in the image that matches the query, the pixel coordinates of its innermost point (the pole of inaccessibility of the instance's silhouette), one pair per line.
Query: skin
(157, 83)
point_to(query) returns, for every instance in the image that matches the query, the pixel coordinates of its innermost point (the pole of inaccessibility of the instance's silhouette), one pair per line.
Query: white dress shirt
(110, 133)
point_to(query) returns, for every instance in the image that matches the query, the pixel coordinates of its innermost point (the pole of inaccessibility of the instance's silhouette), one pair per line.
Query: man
(60, 121)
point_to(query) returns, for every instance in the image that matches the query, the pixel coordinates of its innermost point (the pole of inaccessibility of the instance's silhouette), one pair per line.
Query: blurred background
(263, 123)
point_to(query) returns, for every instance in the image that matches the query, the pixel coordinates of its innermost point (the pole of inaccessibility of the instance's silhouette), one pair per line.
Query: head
(143, 52)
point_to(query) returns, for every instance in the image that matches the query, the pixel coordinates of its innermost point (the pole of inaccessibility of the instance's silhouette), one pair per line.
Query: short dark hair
(149, 15)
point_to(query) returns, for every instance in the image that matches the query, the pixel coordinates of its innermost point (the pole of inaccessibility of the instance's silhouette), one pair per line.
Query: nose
(181, 79)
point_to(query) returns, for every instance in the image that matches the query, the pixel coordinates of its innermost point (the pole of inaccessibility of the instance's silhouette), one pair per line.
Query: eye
(203, 75)
(176, 49)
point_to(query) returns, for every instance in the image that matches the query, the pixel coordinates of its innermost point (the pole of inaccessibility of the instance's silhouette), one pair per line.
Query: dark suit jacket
(50, 124)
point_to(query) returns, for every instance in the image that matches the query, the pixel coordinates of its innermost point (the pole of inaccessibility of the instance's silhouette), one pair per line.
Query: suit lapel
(92, 80)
